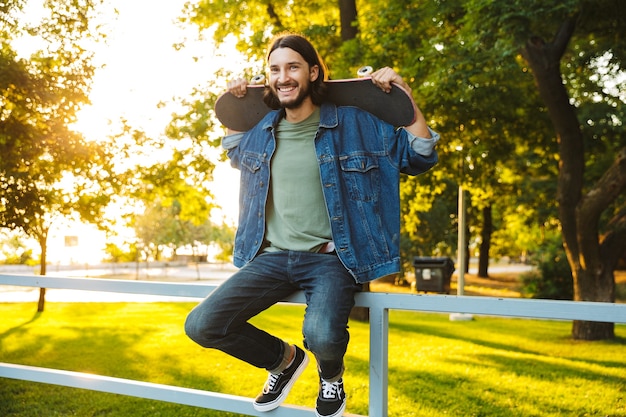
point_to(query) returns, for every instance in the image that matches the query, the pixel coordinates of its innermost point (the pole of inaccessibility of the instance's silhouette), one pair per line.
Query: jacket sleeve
(230, 143)
(423, 146)
(416, 155)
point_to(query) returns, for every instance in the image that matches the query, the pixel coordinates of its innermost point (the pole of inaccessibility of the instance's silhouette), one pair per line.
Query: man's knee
(200, 329)
(325, 343)
(192, 329)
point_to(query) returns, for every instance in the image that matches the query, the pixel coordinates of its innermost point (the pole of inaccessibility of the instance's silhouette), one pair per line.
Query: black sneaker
(331, 401)
(277, 387)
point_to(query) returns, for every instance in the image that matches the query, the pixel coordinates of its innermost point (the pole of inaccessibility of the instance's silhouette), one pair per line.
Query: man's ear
(314, 73)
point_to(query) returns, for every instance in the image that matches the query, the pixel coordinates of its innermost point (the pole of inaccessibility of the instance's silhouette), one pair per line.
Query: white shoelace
(271, 383)
(329, 389)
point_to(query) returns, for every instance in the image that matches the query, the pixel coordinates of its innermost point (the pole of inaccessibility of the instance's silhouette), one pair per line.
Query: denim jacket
(360, 160)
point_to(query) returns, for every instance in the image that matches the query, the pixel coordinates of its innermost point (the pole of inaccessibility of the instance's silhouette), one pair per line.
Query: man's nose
(283, 76)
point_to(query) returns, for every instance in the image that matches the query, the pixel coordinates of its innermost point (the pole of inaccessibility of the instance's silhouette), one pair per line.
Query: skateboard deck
(395, 107)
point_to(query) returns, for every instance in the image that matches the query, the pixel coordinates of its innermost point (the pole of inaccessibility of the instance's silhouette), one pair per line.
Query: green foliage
(427, 227)
(47, 170)
(117, 254)
(197, 123)
(163, 225)
(553, 277)
(15, 251)
(166, 181)
(223, 236)
(254, 22)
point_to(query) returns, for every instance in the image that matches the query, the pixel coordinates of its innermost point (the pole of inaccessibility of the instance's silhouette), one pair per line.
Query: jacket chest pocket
(361, 175)
(252, 179)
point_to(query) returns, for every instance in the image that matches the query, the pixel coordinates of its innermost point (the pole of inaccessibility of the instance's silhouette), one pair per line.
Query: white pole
(460, 288)
(461, 260)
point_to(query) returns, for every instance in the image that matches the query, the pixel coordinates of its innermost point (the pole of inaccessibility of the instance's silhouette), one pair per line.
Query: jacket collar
(328, 117)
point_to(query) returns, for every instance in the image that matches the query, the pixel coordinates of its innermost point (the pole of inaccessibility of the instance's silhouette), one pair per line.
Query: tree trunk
(593, 330)
(485, 243)
(271, 12)
(347, 16)
(592, 261)
(594, 287)
(42, 300)
(43, 239)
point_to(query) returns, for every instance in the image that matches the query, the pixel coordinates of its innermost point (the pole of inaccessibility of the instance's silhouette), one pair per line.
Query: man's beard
(296, 102)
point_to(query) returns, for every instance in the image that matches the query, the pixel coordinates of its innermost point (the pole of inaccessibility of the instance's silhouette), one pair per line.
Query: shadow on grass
(109, 345)
(489, 367)
(440, 393)
(17, 328)
(433, 392)
(113, 348)
(494, 367)
(508, 337)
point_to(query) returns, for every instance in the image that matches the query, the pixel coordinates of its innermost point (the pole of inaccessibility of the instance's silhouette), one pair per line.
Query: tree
(171, 188)
(575, 50)
(47, 170)
(483, 105)
(467, 73)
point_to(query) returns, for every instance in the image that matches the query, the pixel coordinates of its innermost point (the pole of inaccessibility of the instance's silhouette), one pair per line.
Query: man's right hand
(238, 87)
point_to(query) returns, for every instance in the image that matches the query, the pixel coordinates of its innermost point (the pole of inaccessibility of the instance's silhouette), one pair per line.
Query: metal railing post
(379, 361)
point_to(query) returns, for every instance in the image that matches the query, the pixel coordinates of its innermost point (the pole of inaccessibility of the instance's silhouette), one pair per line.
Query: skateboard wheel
(364, 71)
(258, 79)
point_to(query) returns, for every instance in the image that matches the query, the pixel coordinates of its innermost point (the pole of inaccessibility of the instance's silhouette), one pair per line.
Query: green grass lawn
(486, 367)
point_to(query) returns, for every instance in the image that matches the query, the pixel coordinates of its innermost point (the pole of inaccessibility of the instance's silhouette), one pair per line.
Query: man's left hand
(384, 77)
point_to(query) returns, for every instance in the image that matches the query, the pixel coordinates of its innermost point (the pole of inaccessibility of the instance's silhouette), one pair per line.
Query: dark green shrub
(553, 277)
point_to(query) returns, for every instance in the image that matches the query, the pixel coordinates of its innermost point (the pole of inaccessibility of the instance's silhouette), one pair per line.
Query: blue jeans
(221, 320)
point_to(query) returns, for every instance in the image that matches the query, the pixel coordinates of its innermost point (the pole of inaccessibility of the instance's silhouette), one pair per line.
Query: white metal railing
(379, 305)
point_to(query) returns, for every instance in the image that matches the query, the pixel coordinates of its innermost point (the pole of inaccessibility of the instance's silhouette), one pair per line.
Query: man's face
(290, 77)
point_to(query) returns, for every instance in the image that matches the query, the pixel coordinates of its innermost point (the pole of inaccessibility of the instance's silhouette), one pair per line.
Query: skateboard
(395, 107)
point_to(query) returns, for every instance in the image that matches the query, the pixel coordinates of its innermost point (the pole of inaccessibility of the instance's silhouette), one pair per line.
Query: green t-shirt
(297, 218)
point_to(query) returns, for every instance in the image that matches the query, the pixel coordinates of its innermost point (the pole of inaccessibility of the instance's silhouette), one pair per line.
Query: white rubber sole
(283, 395)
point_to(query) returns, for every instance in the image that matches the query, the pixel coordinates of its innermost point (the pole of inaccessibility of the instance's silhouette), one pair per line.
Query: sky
(140, 66)
(140, 69)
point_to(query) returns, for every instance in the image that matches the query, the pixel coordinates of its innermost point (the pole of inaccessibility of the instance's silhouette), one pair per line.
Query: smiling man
(319, 213)
(290, 79)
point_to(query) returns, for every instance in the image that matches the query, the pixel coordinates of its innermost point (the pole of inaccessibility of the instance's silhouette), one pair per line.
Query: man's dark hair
(302, 46)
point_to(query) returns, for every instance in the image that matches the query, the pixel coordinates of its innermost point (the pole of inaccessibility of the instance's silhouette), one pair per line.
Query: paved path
(205, 273)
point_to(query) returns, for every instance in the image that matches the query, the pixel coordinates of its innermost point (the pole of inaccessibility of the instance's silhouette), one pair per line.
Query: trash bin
(433, 274)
